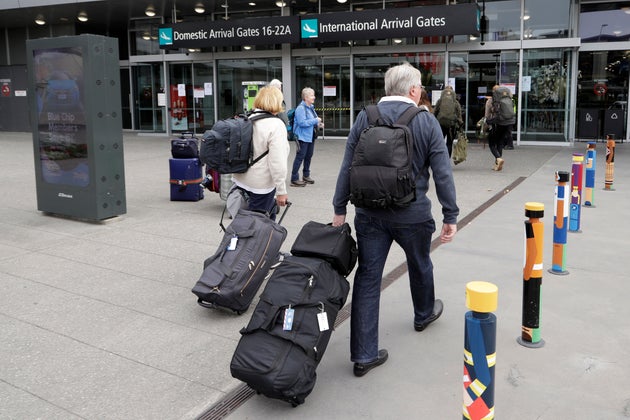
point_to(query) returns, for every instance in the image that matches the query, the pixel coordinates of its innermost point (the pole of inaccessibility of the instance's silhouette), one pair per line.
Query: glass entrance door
(147, 84)
(603, 81)
(474, 86)
(330, 78)
(191, 97)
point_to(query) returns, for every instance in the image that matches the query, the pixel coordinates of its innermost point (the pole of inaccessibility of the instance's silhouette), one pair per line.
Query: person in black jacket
(411, 227)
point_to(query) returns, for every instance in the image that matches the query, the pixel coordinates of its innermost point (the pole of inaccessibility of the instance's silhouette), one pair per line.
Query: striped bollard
(575, 209)
(480, 338)
(560, 225)
(532, 276)
(589, 175)
(610, 163)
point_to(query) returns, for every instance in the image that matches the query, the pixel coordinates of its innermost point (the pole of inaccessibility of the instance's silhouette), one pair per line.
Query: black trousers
(496, 139)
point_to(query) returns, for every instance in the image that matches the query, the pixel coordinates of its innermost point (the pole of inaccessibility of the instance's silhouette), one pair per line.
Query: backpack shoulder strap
(259, 116)
(409, 114)
(373, 114)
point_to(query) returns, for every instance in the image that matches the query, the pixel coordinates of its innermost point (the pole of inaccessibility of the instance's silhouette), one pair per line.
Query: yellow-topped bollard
(480, 338)
(482, 296)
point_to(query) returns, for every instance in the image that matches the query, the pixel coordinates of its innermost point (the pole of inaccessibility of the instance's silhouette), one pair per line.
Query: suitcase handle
(286, 207)
(284, 212)
(190, 134)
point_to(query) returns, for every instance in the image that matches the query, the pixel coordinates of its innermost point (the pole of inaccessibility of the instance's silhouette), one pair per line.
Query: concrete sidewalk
(97, 320)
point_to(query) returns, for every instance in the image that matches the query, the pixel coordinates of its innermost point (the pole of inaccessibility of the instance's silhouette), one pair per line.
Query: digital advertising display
(63, 149)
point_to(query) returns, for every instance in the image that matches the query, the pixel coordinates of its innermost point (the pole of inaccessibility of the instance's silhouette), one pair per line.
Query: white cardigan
(271, 171)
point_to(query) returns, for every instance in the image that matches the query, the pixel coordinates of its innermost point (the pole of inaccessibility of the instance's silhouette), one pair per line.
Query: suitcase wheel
(203, 304)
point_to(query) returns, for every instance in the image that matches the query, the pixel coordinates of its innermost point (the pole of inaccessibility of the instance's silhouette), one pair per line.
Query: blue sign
(166, 36)
(310, 28)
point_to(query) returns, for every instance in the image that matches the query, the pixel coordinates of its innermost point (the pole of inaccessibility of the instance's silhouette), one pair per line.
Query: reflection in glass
(606, 22)
(545, 104)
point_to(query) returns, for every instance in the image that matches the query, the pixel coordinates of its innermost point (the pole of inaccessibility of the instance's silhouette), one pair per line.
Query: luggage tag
(322, 319)
(288, 319)
(232, 244)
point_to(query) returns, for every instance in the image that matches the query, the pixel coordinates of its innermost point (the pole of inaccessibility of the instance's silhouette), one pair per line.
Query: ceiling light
(341, 1)
(251, 3)
(280, 3)
(146, 36)
(526, 15)
(83, 17)
(150, 11)
(40, 20)
(396, 40)
(247, 47)
(199, 8)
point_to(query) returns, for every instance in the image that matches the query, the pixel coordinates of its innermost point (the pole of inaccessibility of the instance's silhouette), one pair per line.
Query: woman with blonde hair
(265, 181)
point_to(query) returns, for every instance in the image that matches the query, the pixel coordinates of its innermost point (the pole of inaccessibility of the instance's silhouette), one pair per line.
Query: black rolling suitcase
(232, 276)
(186, 146)
(290, 328)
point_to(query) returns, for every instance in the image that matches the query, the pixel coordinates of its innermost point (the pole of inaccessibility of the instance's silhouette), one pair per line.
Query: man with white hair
(410, 227)
(282, 115)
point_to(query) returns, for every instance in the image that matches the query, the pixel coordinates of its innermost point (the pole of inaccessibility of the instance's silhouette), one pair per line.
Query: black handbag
(334, 244)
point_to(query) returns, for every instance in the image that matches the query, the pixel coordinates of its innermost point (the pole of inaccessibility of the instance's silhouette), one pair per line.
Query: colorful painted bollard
(532, 276)
(575, 208)
(480, 338)
(610, 164)
(589, 176)
(560, 224)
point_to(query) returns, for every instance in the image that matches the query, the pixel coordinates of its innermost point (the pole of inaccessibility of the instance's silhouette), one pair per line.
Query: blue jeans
(265, 203)
(304, 154)
(374, 239)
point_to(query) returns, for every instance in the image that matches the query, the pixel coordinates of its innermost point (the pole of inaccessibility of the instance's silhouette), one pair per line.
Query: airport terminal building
(186, 63)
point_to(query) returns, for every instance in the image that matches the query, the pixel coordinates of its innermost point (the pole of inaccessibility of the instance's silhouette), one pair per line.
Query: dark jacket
(429, 152)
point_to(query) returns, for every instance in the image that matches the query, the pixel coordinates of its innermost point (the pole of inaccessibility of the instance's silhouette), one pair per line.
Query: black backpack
(227, 147)
(381, 172)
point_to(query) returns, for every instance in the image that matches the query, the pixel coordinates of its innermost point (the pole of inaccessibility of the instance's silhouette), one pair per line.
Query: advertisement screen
(63, 151)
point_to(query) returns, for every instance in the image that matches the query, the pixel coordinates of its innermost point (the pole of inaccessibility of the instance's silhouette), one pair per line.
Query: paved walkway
(97, 320)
